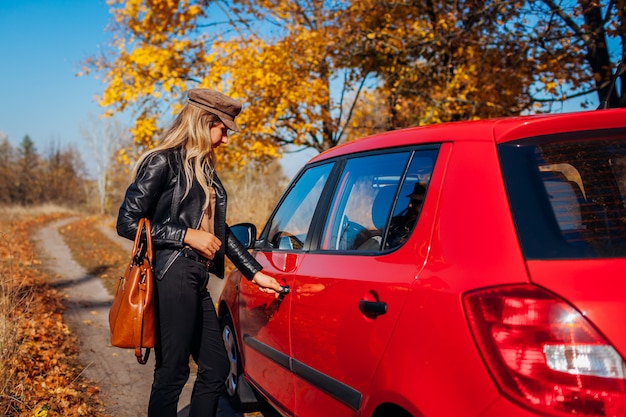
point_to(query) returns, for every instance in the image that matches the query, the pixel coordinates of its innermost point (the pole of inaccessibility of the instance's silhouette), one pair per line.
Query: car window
(568, 195)
(370, 210)
(410, 198)
(290, 225)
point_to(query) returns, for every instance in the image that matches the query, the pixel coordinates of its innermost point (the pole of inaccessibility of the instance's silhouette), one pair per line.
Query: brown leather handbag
(131, 318)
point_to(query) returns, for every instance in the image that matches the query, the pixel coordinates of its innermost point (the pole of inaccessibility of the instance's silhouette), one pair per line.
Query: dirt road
(125, 384)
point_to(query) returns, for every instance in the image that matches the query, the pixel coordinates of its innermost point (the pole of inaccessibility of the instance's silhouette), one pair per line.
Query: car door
(264, 319)
(347, 293)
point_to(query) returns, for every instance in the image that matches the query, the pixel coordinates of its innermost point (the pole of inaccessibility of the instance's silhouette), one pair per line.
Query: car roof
(493, 130)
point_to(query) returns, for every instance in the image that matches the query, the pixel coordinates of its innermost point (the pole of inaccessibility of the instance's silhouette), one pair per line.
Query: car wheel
(238, 391)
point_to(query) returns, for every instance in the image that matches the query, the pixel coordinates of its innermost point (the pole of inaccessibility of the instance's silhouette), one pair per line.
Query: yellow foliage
(300, 67)
(284, 83)
(434, 65)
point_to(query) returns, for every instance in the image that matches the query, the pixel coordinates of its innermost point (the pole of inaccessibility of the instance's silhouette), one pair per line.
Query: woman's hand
(266, 283)
(205, 243)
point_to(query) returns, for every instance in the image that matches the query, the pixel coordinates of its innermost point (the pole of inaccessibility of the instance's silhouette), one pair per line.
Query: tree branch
(570, 22)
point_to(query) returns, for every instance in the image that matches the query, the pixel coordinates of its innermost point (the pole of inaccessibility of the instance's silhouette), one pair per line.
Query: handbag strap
(144, 224)
(141, 358)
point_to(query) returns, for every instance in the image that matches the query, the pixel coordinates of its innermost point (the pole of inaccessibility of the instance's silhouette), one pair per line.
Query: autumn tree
(62, 177)
(316, 73)
(442, 61)
(27, 164)
(28, 178)
(7, 173)
(577, 46)
(279, 57)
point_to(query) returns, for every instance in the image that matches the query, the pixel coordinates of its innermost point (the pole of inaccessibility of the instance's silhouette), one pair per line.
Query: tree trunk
(598, 54)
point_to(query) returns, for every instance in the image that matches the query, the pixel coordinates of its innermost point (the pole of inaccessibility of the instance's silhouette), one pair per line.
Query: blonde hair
(190, 130)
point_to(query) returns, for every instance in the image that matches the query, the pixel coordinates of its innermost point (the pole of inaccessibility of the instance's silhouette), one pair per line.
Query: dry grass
(252, 196)
(13, 213)
(13, 292)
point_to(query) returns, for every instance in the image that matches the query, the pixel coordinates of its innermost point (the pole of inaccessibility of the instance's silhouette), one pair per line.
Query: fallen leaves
(39, 354)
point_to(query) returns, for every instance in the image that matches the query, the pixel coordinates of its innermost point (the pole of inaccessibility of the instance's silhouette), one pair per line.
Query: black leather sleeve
(240, 256)
(141, 200)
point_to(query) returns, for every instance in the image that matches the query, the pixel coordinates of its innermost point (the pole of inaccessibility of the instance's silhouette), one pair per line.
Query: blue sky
(43, 44)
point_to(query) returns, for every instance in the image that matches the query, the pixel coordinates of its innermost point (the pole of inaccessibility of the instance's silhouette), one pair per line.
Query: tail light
(543, 354)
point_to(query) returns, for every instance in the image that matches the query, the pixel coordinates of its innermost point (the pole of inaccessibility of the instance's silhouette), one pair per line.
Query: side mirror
(245, 233)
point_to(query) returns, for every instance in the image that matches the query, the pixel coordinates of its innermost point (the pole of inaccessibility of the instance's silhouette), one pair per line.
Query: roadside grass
(94, 251)
(39, 370)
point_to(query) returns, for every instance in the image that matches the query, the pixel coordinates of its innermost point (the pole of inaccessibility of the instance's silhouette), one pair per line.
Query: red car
(457, 270)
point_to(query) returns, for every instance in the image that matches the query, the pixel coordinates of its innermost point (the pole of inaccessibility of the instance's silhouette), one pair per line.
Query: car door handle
(372, 308)
(283, 292)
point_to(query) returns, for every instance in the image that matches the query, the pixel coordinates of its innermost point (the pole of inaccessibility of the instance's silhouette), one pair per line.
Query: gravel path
(124, 384)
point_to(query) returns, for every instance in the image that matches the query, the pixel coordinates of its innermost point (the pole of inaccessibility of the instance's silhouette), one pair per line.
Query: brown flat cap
(219, 104)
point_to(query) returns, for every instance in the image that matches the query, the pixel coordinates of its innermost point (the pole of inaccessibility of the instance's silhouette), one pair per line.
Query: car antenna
(605, 103)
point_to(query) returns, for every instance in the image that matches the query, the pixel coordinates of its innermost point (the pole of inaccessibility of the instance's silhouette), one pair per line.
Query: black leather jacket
(157, 194)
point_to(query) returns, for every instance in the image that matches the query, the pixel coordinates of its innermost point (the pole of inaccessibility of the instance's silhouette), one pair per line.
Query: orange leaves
(39, 367)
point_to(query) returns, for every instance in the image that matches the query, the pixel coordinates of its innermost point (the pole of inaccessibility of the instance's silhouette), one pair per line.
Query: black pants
(187, 325)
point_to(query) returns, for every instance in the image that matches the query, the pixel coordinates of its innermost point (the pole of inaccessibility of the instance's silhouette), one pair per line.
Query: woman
(175, 186)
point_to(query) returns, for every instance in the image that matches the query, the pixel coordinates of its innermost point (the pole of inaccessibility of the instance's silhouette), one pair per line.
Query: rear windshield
(567, 194)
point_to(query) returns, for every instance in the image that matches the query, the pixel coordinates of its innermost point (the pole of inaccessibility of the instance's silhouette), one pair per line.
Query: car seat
(371, 240)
